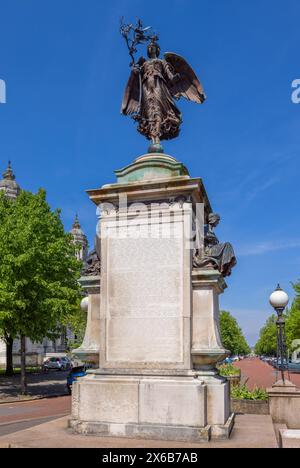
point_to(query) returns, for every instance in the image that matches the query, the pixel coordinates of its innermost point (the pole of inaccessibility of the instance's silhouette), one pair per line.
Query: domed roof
(77, 233)
(8, 184)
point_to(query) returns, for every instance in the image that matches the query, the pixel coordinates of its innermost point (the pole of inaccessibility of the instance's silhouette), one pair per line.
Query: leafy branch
(134, 36)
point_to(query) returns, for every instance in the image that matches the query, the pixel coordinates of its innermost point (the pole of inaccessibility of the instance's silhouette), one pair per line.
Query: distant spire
(8, 184)
(80, 239)
(76, 224)
(8, 174)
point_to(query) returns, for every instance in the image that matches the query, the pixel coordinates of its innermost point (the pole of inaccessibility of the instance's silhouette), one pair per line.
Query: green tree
(38, 271)
(293, 318)
(76, 321)
(267, 343)
(232, 335)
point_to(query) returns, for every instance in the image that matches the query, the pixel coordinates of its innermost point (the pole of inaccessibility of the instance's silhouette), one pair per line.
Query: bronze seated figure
(214, 254)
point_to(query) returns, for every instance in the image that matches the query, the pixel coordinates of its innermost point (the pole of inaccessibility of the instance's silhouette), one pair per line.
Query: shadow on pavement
(43, 384)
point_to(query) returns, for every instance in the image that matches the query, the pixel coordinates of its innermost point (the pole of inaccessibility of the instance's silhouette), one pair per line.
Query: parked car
(268, 359)
(74, 375)
(57, 363)
(228, 360)
(235, 358)
(294, 367)
(264, 358)
(277, 365)
(272, 361)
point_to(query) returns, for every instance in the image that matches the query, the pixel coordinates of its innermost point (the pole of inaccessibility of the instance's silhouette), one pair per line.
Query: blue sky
(66, 66)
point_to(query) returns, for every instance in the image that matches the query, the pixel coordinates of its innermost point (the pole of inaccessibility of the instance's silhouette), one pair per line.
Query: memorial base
(155, 323)
(179, 408)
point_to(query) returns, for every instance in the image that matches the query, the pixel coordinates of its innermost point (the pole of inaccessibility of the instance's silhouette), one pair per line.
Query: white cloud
(261, 248)
(261, 188)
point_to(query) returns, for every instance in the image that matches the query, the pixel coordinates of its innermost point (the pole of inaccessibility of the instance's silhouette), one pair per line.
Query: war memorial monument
(154, 279)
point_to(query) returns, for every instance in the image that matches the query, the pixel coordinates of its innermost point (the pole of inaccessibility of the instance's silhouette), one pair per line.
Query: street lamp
(84, 304)
(279, 300)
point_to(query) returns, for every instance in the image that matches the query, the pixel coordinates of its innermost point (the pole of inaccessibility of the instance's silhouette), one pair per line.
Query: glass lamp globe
(279, 299)
(85, 304)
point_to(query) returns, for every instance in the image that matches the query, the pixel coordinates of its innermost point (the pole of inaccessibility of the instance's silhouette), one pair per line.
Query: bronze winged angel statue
(153, 88)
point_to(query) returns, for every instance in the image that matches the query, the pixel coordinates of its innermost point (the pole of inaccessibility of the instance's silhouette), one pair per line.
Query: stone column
(207, 349)
(90, 348)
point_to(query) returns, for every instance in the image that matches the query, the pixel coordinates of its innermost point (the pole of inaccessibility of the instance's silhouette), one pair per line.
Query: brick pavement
(31, 410)
(260, 374)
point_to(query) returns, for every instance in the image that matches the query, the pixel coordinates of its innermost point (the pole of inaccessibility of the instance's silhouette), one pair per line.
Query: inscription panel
(144, 320)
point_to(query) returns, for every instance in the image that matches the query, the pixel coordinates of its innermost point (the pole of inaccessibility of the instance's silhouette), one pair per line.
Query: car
(294, 367)
(75, 374)
(228, 360)
(57, 363)
(268, 359)
(264, 358)
(235, 358)
(279, 365)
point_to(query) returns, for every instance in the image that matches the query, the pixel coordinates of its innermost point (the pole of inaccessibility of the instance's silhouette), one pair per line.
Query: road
(41, 384)
(260, 374)
(15, 417)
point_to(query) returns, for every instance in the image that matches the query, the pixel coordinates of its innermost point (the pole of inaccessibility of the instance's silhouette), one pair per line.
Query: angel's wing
(130, 104)
(187, 85)
(131, 99)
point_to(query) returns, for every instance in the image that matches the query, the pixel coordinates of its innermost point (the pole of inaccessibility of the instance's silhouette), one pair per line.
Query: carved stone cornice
(208, 277)
(163, 189)
(90, 284)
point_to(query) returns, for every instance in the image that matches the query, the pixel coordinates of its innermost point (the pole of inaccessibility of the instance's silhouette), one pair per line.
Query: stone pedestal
(159, 321)
(207, 348)
(289, 439)
(284, 400)
(165, 407)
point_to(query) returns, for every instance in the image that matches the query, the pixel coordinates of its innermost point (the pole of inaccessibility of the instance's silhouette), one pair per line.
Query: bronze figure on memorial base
(155, 85)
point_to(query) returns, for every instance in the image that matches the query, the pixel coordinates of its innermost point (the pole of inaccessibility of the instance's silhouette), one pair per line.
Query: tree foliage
(293, 318)
(267, 344)
(232, 335)
(77, 323)
(38, 269)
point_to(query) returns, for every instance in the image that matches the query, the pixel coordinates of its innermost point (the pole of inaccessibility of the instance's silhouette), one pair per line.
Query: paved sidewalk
(23, 415)
(250, 431)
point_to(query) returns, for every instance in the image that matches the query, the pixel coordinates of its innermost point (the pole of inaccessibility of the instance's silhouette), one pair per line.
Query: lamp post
(279, 300)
